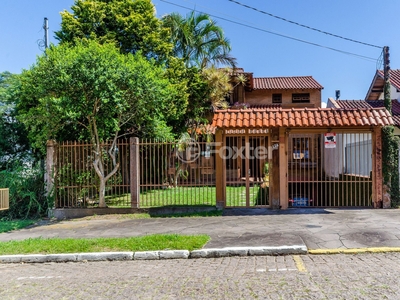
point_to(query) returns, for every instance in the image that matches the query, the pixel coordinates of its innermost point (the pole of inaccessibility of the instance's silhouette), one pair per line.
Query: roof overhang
(376, 88)
(301, 118)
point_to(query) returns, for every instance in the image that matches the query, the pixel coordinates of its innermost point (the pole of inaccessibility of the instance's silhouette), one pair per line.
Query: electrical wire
(379, 61)
(277, 34)
(302, 25)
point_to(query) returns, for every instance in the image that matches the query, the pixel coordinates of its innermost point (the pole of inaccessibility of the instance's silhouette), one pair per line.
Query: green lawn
(144, 243)
(6, 226)
(236, 196)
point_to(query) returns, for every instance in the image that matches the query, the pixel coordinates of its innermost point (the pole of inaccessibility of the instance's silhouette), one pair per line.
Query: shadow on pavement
(268, 211)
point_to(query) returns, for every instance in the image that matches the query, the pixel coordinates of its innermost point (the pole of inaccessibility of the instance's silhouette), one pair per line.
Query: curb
(185, 254)
(355, 250)
(154, 255)
(248, 251)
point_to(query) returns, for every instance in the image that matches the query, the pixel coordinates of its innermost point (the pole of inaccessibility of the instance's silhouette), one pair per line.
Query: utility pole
(46, 33)
(386, 77)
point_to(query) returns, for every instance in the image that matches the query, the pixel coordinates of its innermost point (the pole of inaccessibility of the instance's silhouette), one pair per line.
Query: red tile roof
(394, 77)
(366, 104)
(296, 82)
(305, 117)
(376, 88)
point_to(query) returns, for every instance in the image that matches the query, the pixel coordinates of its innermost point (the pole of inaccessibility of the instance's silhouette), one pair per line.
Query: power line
(275, 33)
(302, 25)
(379, 61)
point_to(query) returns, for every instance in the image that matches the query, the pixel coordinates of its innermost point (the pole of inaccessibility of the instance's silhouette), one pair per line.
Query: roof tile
(394, 77)
(295, 82)
(363, 104)
(314, 117)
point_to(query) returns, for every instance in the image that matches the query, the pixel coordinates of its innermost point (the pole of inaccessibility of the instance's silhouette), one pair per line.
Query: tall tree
(14, 144)
(130, 24)
(99, 93)
(198, 40)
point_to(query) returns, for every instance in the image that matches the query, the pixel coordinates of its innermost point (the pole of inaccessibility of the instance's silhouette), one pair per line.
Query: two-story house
(286, 92)
(277, 147)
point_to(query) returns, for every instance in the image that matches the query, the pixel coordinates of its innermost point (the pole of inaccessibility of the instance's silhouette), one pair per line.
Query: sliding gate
(247, 171)
(330, 170)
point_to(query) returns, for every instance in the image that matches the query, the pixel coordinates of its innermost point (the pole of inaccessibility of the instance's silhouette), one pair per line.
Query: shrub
(27, 192)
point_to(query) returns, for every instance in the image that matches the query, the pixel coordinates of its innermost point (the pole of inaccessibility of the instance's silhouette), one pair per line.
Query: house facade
(274, 147)
(285, 92)
(282, 149)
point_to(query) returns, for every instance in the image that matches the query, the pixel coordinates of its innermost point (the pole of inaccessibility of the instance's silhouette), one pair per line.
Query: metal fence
(77, 182)
(155, 173)
(176, 173)
(247, 171)
(333, 171)
(170, 173)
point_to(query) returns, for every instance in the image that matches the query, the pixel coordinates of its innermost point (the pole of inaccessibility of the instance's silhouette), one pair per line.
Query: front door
(247, 171)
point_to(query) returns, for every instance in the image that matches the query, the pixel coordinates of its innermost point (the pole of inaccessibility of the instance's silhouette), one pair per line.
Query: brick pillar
(134, 171)
(283, 165)
(51, 171)
(220, 170)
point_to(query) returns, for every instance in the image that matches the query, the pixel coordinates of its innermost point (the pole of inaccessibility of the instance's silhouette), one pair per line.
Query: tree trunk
(99, 164)
(102, 193)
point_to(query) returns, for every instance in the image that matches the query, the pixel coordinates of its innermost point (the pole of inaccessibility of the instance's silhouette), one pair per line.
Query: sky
(262, 44)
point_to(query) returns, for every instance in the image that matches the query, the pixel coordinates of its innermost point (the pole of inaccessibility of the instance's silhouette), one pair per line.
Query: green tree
(198, 40)
(14, 145)
(130, 24)
(208, 91)
(390, 153)
(98, 93)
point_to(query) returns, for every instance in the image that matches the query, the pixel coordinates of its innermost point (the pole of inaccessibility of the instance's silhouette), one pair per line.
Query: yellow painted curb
(355, 250)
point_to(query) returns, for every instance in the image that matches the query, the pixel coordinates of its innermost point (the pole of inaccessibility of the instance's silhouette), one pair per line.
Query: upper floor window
(276, 98)
(301, 98)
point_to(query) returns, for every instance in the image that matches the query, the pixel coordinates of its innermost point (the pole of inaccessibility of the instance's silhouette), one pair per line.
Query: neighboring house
(375, 91)
(375, 99)
(287, 92)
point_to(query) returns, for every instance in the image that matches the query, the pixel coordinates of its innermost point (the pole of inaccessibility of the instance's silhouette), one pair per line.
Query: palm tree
(198, 40)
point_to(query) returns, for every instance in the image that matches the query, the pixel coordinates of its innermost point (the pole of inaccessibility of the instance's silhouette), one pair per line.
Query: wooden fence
(4, 199)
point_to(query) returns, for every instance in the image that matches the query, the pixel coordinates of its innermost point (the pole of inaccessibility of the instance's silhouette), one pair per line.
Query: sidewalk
(315, 230)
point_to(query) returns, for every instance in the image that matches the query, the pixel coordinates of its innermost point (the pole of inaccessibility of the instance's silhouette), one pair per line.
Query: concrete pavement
(323, 230)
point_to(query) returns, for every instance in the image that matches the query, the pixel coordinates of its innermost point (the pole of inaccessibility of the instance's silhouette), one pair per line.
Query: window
(301, 98)
(276, 98)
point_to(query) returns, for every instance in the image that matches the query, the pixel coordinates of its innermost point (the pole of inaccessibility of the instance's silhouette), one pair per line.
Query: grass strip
(6, 226)
(142, 243)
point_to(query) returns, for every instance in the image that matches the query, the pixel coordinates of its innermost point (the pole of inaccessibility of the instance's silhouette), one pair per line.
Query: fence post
(134, 171)
(51, 164)
(220, 170)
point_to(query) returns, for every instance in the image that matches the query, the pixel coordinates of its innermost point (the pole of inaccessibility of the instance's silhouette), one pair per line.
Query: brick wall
(264, 97)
